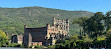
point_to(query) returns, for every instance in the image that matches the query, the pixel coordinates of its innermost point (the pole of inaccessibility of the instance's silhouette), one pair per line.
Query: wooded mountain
(12, 20)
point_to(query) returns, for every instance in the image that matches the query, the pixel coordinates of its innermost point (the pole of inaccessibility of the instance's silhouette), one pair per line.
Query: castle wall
(26, 38)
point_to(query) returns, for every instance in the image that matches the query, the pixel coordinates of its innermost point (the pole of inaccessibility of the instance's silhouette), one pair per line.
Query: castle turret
(67, 26)
(54, 21)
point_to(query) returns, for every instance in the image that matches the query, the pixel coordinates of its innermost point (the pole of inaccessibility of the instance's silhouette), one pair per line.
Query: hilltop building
(45, 35)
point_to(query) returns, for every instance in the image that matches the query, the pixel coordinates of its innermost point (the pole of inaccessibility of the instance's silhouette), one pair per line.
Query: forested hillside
(12, 20)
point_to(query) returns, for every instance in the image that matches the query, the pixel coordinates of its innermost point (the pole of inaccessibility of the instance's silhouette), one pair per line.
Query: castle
(45, 35)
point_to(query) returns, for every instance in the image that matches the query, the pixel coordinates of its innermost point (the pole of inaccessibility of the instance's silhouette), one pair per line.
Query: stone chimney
(25, 26)
(48, 26)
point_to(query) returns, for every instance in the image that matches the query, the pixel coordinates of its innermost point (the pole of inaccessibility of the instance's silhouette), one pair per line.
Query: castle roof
(35, 28)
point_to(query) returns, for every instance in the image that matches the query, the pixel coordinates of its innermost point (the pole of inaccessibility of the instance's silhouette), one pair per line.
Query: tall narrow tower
(67, 25)
(54, 21)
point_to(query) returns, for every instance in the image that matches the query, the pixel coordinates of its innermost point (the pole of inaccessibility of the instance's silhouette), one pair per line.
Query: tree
(107, 20)
(3, 38)
(81, 22)
(94, 23)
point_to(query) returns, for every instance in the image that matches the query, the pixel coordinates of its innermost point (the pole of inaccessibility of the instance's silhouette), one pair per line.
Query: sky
(70, 5)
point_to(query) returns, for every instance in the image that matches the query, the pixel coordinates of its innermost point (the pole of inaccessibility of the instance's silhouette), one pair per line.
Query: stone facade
(45, 35)
(17, 39)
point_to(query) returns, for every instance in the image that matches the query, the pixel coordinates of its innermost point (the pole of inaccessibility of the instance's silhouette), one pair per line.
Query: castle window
(66, 27)
(62, 32)
(53, 29)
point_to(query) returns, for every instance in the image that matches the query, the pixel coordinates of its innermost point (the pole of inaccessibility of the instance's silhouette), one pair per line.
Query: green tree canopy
(3, 38)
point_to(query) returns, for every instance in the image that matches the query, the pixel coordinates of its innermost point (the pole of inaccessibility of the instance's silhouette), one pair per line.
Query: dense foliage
(12, 20)
(3, 39)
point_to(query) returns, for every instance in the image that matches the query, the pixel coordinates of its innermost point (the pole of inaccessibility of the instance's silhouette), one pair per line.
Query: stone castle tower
(62, 24)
